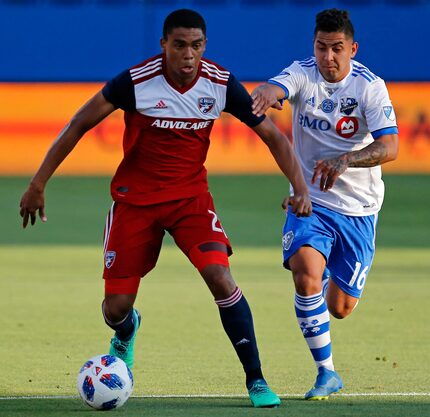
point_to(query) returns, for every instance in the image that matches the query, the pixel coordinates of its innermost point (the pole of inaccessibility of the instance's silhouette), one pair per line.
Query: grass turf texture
(248, 206)
(225, 407)
(50, 293)
(53, 324)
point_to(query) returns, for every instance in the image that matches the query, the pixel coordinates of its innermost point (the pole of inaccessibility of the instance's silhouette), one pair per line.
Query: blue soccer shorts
(346, 242)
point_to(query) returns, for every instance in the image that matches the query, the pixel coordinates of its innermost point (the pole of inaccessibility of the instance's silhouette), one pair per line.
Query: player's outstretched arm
(265, 96)
(283, 153)
(92, 113)
(382, 150)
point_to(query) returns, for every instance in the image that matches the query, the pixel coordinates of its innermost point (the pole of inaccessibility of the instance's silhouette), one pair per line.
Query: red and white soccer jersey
(167, 129)
(330, 119)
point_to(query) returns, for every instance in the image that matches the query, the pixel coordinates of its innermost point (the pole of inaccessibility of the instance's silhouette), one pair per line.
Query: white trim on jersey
(213, 75)
(145, 74)
(148, 64)
(215, 70)
(147, 69)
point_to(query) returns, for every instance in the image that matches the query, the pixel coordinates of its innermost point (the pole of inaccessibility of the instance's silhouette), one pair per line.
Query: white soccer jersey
(330, 119)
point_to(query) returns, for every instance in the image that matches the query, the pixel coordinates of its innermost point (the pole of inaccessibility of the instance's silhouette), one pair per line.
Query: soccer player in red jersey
(171, 102)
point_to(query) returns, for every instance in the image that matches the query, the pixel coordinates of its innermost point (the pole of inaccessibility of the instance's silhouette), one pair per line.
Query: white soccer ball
(105, 382)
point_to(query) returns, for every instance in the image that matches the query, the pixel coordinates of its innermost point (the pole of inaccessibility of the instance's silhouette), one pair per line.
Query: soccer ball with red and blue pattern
(105, 382)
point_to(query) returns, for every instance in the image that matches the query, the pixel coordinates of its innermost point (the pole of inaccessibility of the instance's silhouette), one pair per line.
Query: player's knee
(342, 310)
(219, 280)
(211, 260)
(117, 306)
(306, 284)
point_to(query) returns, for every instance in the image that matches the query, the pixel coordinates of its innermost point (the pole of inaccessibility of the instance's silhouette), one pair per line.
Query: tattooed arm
(383, 149)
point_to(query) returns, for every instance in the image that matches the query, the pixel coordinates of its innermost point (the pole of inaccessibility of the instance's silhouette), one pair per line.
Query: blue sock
(314, 321)
(237, 321)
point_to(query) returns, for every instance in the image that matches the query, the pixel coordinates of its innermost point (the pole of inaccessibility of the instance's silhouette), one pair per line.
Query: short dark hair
(183, 18)
(334, 20)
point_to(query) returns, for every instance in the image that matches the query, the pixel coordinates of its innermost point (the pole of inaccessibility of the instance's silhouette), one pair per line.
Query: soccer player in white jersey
(344, 128)
(170, 104)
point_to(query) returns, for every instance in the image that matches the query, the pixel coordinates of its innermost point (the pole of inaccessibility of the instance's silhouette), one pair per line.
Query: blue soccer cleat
(125, 350)
(326, 384)
(262, 396)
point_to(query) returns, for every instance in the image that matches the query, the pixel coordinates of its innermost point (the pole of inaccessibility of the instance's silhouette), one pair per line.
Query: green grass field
(51, 290)
(249, 207)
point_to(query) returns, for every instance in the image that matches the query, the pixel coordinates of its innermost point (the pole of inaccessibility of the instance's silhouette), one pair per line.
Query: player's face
(333, 52)
(184, 48)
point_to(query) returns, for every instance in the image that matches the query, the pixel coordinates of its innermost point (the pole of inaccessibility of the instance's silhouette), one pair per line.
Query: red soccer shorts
(134, 234)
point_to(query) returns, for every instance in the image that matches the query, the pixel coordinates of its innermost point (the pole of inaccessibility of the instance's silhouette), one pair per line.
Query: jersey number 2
(215, 228)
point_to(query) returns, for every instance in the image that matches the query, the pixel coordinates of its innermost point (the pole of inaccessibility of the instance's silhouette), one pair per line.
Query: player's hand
(329, 171)
(300, 204)
(264, 97)
(32, 201)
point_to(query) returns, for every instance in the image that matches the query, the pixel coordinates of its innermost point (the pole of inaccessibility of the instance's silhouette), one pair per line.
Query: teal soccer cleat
(125, 350)
(326, 384)
(262, 396)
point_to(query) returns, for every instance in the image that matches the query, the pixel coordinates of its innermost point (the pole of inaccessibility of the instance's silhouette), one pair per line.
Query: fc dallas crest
(206, 104)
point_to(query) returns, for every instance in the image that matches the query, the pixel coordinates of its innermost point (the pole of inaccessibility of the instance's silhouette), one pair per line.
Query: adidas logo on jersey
(160, 105)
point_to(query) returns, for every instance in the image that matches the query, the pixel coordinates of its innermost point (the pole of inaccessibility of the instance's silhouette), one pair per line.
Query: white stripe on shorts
(108, 226)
